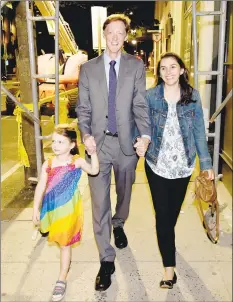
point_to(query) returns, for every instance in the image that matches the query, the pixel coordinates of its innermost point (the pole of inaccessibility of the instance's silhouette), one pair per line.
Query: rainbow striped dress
(61, 213)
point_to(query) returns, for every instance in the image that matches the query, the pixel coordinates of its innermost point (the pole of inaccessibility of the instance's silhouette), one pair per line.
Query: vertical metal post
(34, 87)
(3, 3)
(219, 73)
(222, 31)
(56, 62)
(195, 45)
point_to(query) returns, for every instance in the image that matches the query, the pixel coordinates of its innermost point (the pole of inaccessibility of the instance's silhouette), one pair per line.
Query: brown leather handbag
(205, 190)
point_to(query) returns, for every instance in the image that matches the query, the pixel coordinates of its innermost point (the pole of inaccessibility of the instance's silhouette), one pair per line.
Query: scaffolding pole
(218, 73)
(56, 62)
(222, 31)
(35, 76)
(34, 86)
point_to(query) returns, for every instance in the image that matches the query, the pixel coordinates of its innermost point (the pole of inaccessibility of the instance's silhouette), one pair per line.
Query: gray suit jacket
(132, 112)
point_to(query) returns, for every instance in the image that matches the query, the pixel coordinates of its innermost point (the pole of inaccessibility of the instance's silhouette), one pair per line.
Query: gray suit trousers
(124, 167)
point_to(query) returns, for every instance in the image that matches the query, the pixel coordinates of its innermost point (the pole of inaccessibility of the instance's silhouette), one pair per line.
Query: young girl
(178, 135)
(61, 214)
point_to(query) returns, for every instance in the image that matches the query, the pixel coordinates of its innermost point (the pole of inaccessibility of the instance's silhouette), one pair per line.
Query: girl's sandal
(59, 291)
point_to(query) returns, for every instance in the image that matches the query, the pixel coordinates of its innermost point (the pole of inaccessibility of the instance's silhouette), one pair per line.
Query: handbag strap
(216, 205)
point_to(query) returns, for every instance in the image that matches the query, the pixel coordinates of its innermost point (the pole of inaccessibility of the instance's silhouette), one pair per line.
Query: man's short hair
(118, 17)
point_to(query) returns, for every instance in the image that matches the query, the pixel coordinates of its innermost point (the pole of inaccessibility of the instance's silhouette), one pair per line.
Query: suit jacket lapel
(122, 71)
(102, 80)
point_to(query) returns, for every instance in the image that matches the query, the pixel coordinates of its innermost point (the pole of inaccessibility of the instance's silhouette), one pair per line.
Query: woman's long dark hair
(70, 133)
(186, 88)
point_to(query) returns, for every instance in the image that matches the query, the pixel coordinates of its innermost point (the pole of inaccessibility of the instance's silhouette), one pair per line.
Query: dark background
(78, 15)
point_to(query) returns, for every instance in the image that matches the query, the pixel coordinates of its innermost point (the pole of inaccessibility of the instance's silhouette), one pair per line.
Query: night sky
(78, 15)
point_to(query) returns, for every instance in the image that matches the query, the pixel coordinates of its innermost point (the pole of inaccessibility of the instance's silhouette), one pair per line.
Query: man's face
(115, 36)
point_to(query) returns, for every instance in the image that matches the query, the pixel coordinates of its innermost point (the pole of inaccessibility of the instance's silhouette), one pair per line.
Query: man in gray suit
(112, 112)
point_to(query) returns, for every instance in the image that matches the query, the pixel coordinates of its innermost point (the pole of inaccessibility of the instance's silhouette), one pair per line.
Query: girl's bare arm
(92, 168)
(40, 188)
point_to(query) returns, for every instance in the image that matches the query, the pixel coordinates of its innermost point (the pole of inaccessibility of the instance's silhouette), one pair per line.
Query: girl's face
(61, 144)
(170, 71)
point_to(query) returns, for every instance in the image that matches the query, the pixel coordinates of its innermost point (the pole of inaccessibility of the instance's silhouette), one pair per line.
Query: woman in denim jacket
(178, 133)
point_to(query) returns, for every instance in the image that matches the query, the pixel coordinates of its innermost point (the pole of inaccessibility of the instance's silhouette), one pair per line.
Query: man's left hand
(141, 146)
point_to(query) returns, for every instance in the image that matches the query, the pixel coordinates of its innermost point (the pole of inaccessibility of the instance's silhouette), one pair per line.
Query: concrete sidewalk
(30, 268)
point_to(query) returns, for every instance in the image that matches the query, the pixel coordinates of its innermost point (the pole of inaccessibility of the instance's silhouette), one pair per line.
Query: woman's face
(170, 71)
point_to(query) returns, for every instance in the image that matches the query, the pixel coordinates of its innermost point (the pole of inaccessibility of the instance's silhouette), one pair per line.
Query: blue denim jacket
(191, 122)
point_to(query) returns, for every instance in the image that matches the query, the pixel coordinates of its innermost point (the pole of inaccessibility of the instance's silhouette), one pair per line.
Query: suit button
(106, 116)
(104, 131)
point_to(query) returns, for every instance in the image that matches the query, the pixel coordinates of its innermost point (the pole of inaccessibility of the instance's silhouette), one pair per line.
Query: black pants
(167, 196)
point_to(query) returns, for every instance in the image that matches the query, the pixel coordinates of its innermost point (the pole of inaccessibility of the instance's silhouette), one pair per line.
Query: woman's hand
(210, 174)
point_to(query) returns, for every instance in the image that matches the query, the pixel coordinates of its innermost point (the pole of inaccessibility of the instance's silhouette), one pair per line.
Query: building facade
(175, 18)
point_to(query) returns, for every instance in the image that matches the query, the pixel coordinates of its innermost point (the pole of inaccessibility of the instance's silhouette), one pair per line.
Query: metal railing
(218, 73)
(51, 12)
(34, 75)
(220, 108)
(25, 109)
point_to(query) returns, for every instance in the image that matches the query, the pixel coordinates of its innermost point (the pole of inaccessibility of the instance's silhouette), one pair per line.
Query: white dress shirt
(107, 60)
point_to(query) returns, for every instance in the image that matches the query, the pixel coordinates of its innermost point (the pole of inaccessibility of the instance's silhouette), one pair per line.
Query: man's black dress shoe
(120, 238)
(103, 279)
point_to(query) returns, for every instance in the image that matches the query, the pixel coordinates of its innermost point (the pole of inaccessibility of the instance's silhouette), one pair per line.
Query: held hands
(90, 144)
(141, 146)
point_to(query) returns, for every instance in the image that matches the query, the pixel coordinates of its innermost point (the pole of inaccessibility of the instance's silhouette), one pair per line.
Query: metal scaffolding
(218, 73)
(63, 32)
(35, 76)
(63, 35)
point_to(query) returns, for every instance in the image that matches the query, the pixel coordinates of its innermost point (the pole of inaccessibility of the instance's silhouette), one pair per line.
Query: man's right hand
(141, 146)
(90, 144)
